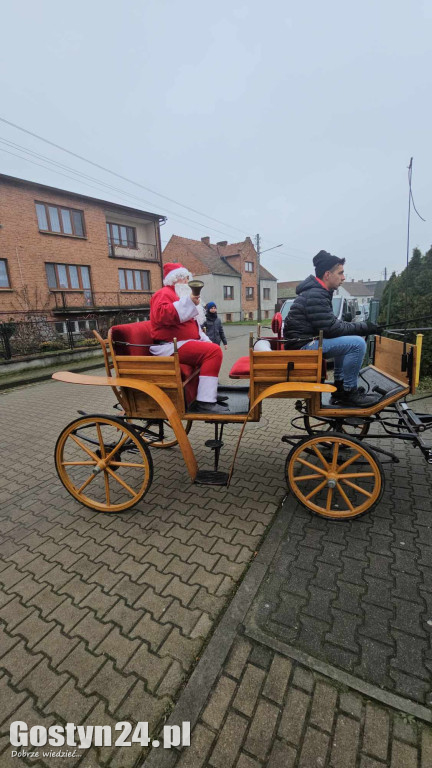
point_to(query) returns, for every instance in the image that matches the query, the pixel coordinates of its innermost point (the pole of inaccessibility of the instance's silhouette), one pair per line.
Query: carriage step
(214, 444)
(211, 477)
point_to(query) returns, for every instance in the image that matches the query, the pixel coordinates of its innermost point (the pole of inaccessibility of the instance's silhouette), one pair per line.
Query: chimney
(222, 242)
(352, 279)
(205, 240)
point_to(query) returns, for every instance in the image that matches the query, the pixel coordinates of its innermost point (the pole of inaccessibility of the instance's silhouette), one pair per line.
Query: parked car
(344, 309)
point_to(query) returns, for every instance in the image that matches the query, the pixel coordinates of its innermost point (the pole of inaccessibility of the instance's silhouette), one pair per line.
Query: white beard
(182, 289)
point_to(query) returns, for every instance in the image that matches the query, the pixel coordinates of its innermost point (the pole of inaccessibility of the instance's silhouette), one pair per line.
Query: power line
(131, 181)
(109, 186)
(114, 173)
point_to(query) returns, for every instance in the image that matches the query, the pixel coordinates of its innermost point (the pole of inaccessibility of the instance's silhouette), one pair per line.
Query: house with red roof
(229, 272)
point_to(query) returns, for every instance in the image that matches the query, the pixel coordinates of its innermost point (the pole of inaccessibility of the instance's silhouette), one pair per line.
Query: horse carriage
(333, 468)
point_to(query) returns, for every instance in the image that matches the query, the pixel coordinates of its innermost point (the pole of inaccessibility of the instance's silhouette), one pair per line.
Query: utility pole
(258, 250)
(385, 274)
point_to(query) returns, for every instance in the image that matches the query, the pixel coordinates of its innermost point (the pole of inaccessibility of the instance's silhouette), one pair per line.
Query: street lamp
(259, 252)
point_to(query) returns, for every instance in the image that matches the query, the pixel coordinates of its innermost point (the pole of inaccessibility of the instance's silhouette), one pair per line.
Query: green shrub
(52, 346)
(86, 342)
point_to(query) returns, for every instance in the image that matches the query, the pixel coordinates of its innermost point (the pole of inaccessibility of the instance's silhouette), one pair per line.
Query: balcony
(97, 301)
(142, 252)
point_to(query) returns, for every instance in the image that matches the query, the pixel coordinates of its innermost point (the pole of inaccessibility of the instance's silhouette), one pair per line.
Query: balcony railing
(77, 301)
(142, 251)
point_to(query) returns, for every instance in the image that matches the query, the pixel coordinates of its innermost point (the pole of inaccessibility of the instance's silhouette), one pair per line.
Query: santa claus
(175, 314)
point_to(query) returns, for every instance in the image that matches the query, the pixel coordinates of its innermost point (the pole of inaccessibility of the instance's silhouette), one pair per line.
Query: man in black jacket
(312, 312)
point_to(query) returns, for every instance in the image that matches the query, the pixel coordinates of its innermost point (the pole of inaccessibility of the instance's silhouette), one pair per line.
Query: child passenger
(213, 325)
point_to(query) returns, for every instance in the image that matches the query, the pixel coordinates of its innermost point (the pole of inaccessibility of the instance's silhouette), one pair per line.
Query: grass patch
(242, 322)
(425, 384)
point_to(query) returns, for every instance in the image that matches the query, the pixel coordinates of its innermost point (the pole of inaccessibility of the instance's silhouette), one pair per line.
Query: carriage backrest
(267, 368)
(130, 351)
(389, 358)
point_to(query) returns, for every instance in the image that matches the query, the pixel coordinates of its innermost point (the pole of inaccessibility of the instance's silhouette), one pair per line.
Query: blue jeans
(348, 353)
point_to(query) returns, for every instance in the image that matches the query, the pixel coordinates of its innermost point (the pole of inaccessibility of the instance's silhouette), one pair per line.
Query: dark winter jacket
(311, 313)
(214, 328)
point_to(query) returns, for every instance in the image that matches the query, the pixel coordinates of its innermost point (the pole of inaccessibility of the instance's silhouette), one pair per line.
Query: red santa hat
(173, 272)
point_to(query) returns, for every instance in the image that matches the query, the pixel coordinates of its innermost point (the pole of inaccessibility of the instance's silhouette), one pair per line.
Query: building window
(134, 280)
(61, 221)
(228, 292)
(4, 274)
(68, 277)
(249, 293)
(266, 314)
(228, 318)
(249, 266)
(76, 326)
(266, 293)
(118, 234)
(251, 317)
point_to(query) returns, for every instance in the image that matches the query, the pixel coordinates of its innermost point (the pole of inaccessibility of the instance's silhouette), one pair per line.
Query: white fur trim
(207, 389)
(185, 309)
(177, 274)
(201, 314)
(262, 345)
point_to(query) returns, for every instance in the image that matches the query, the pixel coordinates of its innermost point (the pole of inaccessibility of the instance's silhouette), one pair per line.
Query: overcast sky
(294, 120)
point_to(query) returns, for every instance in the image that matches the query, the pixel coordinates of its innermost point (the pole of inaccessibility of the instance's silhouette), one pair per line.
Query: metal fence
(42, 335)
(86, 300)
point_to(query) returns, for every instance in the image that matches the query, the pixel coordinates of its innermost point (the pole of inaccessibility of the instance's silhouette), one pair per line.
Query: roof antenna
(410, 199)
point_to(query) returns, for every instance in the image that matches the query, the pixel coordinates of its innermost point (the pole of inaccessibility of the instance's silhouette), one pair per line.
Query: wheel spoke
(84, 448)
(320, 456)
(349, 461)
(312, 466)
(79, 463)
(335, 456)
(101, 442)
(316, 490)
(329, 499)
(87, 482)
(356, 474)
(122, 482)
(125, 464)
(300, 478)
(356, 487)
(344, 496)
(117, 448)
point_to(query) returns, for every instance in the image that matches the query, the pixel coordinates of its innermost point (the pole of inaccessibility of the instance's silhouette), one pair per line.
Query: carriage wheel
(160, 434)
(335, 476)
(103, 463)
(350, 426)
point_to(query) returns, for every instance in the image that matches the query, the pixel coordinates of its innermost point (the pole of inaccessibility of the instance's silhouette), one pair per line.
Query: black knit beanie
(324, 261)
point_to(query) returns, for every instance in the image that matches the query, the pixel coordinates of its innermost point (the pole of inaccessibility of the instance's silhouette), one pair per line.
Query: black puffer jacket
(311, 313)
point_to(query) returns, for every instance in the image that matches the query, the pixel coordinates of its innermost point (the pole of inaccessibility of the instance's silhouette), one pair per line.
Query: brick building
(229, 273)
(69, 256)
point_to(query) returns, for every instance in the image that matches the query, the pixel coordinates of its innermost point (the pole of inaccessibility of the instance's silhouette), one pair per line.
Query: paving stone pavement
(104, 616)
(358, 594)
(267, 711)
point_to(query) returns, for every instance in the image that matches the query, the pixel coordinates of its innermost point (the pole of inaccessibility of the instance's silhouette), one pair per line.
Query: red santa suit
(173, 317)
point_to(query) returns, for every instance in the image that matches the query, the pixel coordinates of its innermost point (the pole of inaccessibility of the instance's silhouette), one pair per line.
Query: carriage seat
(135, 339)
(301, 359)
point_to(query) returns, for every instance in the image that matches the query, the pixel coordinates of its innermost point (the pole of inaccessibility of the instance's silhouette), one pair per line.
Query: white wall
(268, 304)
(213, 291)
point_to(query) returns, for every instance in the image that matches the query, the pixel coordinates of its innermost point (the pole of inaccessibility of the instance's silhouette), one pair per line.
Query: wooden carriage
(106, 464)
